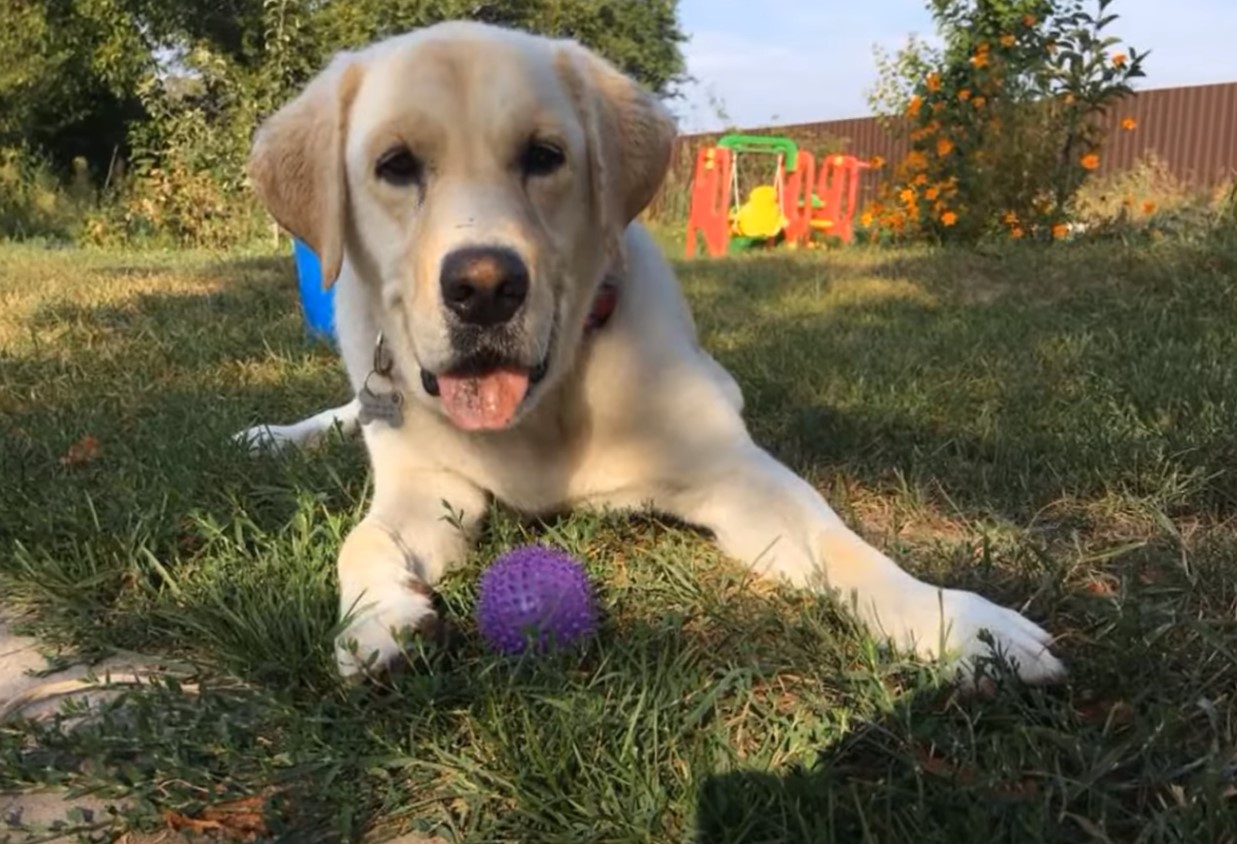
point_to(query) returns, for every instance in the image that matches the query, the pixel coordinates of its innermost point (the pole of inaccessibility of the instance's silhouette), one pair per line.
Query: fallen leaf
(1022, 789)
(84, 450)
(184, 823)
(1102, 585)
(939, 766)
(1178, 794)
(1100, 711)
(1150, 577)
(238, 820)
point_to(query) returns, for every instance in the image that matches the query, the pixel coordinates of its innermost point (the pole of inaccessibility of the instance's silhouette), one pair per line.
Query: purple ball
(534, 595)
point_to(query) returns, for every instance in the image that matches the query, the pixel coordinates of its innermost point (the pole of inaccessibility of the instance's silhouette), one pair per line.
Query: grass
(1053, 427)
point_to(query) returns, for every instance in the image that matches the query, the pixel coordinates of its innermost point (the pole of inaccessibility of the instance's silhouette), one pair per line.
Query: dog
(512, 331)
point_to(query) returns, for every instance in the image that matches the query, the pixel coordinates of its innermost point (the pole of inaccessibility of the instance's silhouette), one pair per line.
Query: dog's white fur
(635, 416)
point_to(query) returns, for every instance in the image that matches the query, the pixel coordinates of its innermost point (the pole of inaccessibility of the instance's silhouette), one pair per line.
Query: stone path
(25, 817)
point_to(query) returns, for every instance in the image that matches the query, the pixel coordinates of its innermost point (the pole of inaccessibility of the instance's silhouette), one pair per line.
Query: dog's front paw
(951, 624)
(273, 438)
(378, 633)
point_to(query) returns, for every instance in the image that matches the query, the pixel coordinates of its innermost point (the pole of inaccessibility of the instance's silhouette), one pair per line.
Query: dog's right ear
(296, 165)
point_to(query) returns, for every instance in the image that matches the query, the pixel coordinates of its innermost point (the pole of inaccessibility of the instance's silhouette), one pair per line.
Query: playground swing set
(804, 202)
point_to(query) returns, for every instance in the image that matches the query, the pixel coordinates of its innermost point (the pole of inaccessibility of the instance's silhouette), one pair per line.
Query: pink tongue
(483, 402)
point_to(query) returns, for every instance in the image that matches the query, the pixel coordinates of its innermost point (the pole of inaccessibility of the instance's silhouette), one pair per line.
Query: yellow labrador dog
(510, 331)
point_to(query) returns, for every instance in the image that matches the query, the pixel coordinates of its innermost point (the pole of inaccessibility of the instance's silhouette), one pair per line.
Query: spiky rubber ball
(534, 596)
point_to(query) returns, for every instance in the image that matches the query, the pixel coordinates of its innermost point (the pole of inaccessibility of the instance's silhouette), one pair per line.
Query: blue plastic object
(318, 304)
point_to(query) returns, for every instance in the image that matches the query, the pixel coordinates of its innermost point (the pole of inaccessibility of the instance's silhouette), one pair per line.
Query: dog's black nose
(484, 285)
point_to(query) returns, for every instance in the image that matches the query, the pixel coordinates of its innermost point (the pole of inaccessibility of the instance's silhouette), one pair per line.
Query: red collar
(604, 304)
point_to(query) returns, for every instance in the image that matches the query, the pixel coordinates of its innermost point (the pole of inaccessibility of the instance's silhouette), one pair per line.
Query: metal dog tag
(387, 406)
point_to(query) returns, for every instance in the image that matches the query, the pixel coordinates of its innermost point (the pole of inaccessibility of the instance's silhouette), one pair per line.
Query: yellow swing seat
(760, 216)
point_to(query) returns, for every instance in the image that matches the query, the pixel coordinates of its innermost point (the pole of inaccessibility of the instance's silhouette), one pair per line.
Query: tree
(68, 76)
(77, 76)
(204, 72)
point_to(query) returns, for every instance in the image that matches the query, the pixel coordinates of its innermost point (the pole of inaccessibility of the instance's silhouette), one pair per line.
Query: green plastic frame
(764, 144)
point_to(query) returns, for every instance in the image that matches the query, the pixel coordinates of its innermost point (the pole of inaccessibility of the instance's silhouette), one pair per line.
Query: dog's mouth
(484, 394)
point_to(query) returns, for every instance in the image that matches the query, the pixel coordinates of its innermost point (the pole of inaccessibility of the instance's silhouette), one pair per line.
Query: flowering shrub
(1002, 120)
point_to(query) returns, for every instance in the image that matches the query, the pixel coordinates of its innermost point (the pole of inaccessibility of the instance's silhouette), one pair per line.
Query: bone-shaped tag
(387, 406)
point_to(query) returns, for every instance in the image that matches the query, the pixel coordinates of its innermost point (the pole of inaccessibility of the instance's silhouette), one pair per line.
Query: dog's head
(483, 178)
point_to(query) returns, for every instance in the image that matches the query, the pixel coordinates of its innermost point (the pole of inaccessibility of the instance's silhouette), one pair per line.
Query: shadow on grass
(1000, 382)
(993, 385)
(1006, 381)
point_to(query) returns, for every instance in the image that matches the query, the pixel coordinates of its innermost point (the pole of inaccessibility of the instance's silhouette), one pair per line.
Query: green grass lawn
(1052, 427)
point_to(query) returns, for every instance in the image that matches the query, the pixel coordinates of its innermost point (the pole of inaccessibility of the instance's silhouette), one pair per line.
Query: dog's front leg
(306, 433)
(765, 515)
(419, 525)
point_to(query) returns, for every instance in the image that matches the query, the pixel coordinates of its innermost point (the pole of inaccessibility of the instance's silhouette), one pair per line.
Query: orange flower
(865, 219)
(1016, 233)
(1060, 230)
(980, 59)
(920, 180)
(933, 82)
(1129, 124)
(916, 160)
(877, 162)
(907, 195)
(1008, 40)
(944, 147)
(964, 94)
(979, 102)
(932, 192)
(1119, 60)
(1148, 207)
(1090, 161)
(1009, 218)
(1029, 20)
(949, 218)
(912, 108)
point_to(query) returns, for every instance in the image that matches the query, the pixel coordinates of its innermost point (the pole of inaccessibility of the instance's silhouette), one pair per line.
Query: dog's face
(483, 178)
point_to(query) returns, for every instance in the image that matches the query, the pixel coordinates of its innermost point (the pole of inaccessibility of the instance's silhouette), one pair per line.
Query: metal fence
(1192, 130)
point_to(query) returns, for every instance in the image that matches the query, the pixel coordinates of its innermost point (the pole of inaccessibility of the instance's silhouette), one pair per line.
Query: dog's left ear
(630, 136)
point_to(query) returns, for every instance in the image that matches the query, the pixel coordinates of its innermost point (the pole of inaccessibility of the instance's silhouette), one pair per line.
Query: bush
(1003, 124)
(34, 202)
(186, 184)
(1148, 202)
(1147, 189)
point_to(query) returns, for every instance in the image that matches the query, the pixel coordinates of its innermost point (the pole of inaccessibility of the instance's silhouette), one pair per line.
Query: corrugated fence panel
(1193, 130)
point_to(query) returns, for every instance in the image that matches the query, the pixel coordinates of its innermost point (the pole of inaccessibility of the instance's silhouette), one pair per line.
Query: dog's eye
(541, 159)
(398, 166)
